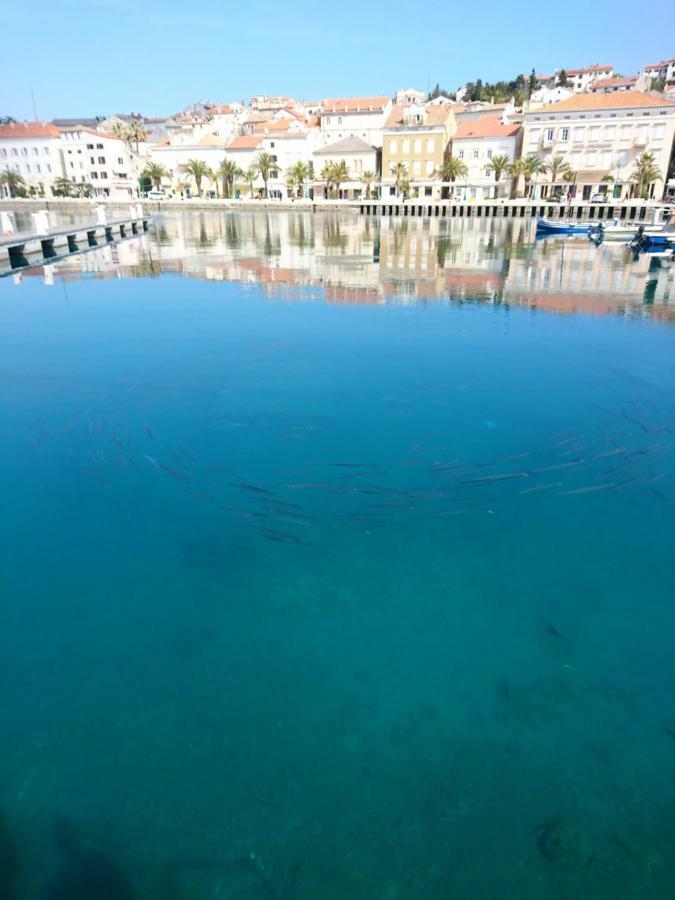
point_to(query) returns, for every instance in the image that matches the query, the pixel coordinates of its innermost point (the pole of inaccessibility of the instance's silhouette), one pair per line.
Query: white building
(408, 96)
(286, 148)
(600, 136)
(619, 84)
(207, 149)
(102, 160)
(544, 96)
(357, 155)
(361, 117)
(33, 149)
(476, 142)
(664, 69)
(580, 80)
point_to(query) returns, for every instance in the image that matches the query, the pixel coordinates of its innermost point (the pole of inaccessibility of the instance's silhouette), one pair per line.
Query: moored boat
(545, 226)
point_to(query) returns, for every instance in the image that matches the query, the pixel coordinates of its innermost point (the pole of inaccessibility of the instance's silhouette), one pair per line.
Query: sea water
(337, 562)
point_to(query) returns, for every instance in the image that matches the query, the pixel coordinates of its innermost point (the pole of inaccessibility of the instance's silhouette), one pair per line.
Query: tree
(340, 174)
(645, 174)
(197, 169)
(400, 172)
(155, 172)
(250, 175)
(136, 133)
(62, 187)
(563, 80)
(532, 166)
(13, 181)
(228, 171)
(499, 164)
(533, 84)
(367, 178)
(266, 167)
(451, 169)
(557, 166)
(296, 176)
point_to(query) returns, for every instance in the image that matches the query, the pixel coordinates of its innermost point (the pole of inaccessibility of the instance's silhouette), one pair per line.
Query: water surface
(337, 562)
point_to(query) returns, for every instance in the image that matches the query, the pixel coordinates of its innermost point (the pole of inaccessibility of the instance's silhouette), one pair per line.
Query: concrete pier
(623, 210)
(19, 249)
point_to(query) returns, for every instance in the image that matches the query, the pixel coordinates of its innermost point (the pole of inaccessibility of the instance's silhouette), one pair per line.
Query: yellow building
(417, 136)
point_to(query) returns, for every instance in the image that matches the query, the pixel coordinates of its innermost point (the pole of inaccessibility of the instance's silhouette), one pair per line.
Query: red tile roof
(485, 127)
(354, 104)
(619, 100)
(246, 142)
(432, 115)
(613, 82)
(660, 65)
(21, 130)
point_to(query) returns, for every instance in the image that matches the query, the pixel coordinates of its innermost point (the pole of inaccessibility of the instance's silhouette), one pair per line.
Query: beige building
(358, 156)
(600, 136)
(418, 137)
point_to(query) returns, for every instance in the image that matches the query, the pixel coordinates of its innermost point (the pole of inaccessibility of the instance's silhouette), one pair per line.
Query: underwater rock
(85, 874)
(566, 844)
(9, 861)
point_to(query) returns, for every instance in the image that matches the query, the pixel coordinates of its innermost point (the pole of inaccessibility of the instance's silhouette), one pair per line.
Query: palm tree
(327, 176)
(136, 132)
(12, 180)
(155, 172)
(120, 130)
(340, 174)
(400, 172)
(297, 175)
(532, 166)
(228, 170)
(197, 169)
(499, 164)
(451, 169)
(265, 166)
(62, 187)
(557, 166)
(250, 175)
(645, 174)
(367, 178)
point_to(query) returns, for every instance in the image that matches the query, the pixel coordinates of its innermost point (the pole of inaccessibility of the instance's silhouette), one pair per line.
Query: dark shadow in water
(85, 874)
(9, 861)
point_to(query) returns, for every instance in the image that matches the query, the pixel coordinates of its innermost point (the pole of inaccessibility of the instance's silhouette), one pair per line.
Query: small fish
(555, 632)
(588, 490)
(347, 465)
(148, 430)
(253, 488)
(178, 476)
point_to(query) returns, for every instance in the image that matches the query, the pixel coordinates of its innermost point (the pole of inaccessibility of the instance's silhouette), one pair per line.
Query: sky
(99, 57)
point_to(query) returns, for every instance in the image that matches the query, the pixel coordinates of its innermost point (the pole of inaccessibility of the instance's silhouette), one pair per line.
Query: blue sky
(97, 57)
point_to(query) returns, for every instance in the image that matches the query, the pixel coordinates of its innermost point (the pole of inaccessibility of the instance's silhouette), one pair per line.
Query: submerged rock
(9, 861)
(86, 874)
(566, 844)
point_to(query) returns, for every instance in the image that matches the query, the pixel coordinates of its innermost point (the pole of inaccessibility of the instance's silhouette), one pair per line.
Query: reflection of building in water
(346, 258)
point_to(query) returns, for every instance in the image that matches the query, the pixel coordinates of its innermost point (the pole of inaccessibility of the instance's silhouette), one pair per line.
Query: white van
(156, 195)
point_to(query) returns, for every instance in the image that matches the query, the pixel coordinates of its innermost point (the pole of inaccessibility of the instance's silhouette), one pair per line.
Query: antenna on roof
(32, 97)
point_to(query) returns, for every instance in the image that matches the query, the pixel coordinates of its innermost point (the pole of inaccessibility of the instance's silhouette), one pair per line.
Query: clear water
(335, 564)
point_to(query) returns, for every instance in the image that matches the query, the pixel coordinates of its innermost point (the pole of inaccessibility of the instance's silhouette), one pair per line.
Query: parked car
(599, 198)
(156, 195)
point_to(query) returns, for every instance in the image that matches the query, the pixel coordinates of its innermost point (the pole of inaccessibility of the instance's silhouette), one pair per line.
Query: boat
(615, 231)
(545, 226)
(648, 241)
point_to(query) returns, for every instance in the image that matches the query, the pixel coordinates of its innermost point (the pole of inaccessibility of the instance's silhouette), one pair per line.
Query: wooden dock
(25, 248)
(623, 210)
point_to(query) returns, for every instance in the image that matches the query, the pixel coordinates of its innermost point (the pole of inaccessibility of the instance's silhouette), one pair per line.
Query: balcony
(640, 141)
(547, 142)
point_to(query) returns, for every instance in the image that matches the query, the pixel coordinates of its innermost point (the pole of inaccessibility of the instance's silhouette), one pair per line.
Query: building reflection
(346, 258)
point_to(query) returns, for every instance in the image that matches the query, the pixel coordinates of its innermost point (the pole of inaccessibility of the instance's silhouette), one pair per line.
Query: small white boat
(615, 231)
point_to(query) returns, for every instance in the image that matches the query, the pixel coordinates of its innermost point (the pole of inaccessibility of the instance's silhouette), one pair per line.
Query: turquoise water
(335, 564)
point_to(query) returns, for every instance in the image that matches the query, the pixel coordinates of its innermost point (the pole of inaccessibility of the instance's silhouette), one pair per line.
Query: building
(546, 95)
(476, 142)
(174, 156)
(410, 95)
(418, 137)
(102, 160)
(580, 80)
(619, 83)
(358, 156)
(361, 117)
(33, 149)
(664, 69)
(285, 147)
(600, 136)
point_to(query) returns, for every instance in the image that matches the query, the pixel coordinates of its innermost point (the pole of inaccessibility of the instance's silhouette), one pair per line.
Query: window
(405, 147)
(549, 134)
(45, 150)
(104, 174)
(431, 145)
(488, 172)
(92, 160)
(534, 135)
(120, 160)
(101, 160)
(658, 131)
(418, 145)
(15, 152)
(94, 175)
(49, 168)
(460, 155)
(430, 166)
(590, 158)
(339, 120)
(36, 152)
(3, 153)
(564, 134)
(622, 159)
(625, 132)
(489, 154)
(99, 146)
(609, 132)
(392, 146)
(37, 167)
(595, 132)
(475, 154)
(417, 167)
(24, 151)
(579, 133)
(27, 167)
(90, 146)
(327, 120)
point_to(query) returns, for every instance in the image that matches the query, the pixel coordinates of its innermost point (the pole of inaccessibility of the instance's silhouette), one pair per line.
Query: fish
(589, 489)
(253, 488)
(178, 476)
(148, 430)
(347, 465)
(541, 487)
